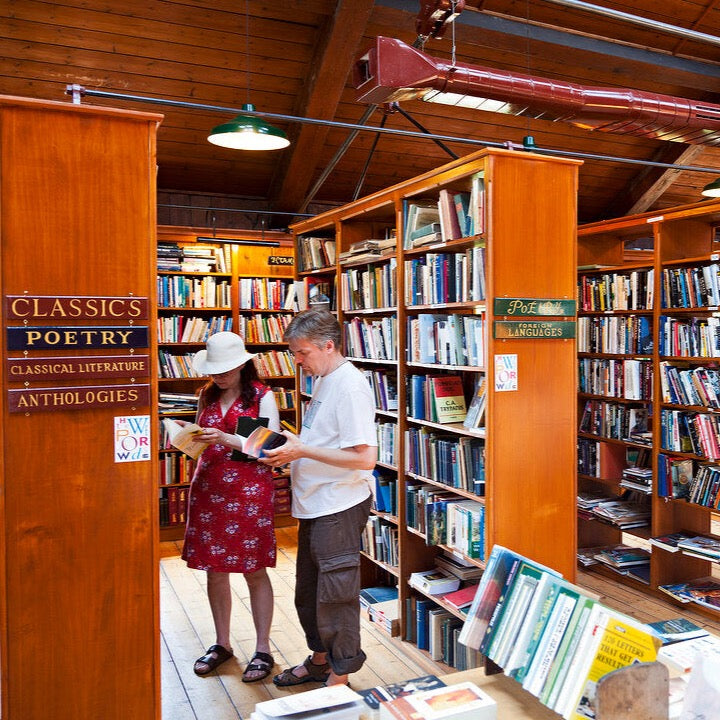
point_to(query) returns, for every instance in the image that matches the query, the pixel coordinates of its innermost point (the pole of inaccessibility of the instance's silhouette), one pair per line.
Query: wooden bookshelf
(528, 243)
(79, 594)
(251, 303)
(685, 247)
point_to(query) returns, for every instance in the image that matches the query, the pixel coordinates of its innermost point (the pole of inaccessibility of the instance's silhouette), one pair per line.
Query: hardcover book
(448, 398)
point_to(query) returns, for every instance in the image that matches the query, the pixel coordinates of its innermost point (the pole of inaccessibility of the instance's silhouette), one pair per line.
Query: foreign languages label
(534, 329)
(60, 307)
(88, 366)
(76, 338)
(77, 398)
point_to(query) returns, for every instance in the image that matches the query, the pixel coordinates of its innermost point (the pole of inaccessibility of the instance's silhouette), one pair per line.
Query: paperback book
(447, 398)
(373, 697)
(676, 630)
(464, 701)
(184, 437)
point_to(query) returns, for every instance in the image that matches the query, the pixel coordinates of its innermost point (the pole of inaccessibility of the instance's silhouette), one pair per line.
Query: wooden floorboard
(187, 630)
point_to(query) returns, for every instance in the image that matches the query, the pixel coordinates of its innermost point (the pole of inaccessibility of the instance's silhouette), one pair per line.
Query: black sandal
(260, 661)
(215, 656)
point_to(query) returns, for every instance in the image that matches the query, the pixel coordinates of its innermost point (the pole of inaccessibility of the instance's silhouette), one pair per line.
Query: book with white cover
(337, 702)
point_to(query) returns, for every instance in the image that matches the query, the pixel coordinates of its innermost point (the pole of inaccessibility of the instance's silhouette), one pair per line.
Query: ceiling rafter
(325, 88)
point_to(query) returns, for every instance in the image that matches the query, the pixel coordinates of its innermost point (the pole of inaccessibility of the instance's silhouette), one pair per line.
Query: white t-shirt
(341, 414)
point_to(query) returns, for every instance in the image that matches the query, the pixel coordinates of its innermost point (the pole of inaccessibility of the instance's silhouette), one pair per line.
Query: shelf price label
(529, 307)
(533, 329)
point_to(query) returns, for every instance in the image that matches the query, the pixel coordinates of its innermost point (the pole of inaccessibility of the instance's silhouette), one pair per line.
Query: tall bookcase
(245, 292)
(527, 210)
(650, 284)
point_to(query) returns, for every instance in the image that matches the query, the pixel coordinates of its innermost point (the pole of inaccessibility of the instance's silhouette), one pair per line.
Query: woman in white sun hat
(230, 525)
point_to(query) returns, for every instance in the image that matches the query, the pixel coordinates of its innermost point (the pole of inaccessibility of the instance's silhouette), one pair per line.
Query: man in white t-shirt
(331, 464)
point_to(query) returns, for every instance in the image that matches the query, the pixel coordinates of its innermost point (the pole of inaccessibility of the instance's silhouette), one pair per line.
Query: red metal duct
(393, 71)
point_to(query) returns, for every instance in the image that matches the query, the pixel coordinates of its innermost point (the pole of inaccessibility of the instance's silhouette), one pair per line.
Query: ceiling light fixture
(248, 131)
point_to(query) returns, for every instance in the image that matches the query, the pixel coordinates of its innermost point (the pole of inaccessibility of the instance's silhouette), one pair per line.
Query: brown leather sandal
(316, 673)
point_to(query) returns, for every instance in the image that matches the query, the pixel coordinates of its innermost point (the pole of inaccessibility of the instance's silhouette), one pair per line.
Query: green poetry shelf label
(534, 306)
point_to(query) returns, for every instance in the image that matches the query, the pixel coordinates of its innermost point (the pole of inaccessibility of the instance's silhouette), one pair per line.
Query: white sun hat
(224, 351)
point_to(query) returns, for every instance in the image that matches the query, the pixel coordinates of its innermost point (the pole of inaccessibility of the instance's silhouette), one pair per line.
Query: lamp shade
(245, 132)
(712, 189)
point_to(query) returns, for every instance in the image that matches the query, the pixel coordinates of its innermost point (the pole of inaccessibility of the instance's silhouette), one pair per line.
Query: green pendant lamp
(247, 132)
(712, 189)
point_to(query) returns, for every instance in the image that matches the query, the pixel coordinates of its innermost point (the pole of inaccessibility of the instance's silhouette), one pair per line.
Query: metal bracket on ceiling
(434, 16)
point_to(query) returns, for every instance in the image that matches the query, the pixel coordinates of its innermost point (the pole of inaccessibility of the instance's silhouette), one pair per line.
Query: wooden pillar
(79, 591)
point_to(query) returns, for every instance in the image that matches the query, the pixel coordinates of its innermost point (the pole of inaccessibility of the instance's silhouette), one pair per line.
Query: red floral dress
(230, 525)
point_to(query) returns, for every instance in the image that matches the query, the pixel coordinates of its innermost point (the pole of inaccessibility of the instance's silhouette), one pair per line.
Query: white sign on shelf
(506, 373)
(132, 438)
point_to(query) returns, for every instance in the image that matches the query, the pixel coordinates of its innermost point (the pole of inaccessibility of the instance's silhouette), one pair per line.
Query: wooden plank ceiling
(294, 58)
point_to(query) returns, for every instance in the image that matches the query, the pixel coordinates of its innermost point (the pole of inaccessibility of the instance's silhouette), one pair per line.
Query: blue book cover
(422, 611)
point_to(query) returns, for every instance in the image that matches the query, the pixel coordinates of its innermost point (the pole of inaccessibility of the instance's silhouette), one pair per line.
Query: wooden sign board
(50, 307)
(77, 368)
(534, 306)
(77, 398)
(534, 329)
(76, 337)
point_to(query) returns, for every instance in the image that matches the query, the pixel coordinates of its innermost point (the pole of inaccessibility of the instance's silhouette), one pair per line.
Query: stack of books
(169, 257)
(370, 249)
(704, 591)
(705, 548)
(623, 514)
(637, 478)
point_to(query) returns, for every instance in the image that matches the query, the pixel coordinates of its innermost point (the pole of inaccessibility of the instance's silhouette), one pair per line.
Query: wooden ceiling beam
(651, 182)
(326, 83)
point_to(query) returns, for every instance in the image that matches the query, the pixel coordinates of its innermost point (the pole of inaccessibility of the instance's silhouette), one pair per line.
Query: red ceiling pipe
(393, 71)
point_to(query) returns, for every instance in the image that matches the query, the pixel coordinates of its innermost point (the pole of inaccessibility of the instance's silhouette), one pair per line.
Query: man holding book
(331, 463)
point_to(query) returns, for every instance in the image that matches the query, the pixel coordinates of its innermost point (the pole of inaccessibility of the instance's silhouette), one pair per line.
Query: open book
(183, 437)
(261, 439)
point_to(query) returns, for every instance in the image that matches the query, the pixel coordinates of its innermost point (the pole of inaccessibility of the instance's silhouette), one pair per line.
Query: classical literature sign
(132, 438)
(533, 329)
(77, 398)
(281, 260)
(51, 307)
(76, 337)
(76, 368)
(529, 307)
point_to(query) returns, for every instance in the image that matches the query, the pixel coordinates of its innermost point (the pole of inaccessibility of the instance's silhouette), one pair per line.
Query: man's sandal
(260, 662)
(215, 656)
(315, 673)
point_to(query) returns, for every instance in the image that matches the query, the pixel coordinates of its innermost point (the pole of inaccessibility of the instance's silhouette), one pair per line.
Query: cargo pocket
(339, 578)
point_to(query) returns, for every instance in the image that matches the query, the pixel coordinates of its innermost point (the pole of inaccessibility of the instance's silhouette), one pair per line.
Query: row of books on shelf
(179, 329)
(379, 540)
(315, 253)
(265, 294)
(630, 379)
(630, 510)
(690, 385)
(371, 249)
(441, 339)
(458, 462)
(169, 402)
(615, 335)
(387, 438)
(689, 337)
(197, 257)
(175, 468)
(437, 398)
(449, 217)
(264, 328)
(691, 286)
(173, 505)
(371, 338)
(446, 519)
(623, 559)
(385, 492)
(616, 291)
(371, 287)
(284, 397)
(690, 432)
(274, 363)
(178, 291)
(548, 635)
(441, 278)
(616, 421)
(600, 460)
(175, 366)
(384, 386)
